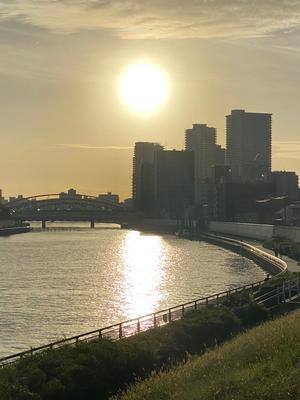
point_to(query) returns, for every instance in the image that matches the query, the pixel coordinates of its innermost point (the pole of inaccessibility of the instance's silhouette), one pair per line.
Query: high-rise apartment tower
(248, 150)
(143, 175)
(201, 140)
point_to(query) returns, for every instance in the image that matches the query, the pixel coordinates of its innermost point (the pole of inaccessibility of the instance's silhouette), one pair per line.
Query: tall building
(174, 183)
(249, 145)
(201, 140)
(286, 184)
(143, 175)
(220, 156)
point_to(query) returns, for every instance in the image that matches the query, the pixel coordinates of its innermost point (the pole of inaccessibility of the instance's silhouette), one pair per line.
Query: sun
(143, 87)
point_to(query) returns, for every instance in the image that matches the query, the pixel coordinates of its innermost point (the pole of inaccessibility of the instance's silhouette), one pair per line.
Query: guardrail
(137, 325)
(279, 266)
(286, 292)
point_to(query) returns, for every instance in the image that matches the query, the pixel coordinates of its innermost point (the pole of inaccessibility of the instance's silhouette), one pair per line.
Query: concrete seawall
(267, 262)
(256, 231)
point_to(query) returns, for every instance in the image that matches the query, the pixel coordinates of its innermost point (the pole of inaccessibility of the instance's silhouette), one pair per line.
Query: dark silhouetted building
(248, 150)
(201, 140)
(143, 175)
(238, 202)
(71, 194)
(174, 183)
(109, 197)
(2, 200)
(286, 184)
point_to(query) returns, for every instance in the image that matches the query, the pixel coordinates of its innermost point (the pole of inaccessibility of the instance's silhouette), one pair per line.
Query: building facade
(109, 197)
(201, 140)
(174, 183)
(248, 137)
(143, 175)
(286, 183)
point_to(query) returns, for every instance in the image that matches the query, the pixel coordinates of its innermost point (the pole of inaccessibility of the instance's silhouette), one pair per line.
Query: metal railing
(279, 264)
(286, 292)
(141, 324)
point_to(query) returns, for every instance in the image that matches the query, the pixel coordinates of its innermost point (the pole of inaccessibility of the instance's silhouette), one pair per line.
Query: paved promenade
(292, 264)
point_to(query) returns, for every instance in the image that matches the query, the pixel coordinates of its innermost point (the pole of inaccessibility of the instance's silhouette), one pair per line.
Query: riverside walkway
(292, 265)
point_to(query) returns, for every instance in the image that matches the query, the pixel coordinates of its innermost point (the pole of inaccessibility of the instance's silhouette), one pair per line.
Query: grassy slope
(263, 363)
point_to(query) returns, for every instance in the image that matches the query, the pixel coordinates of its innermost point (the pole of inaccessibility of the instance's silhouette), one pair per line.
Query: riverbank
(263, 363)
(83, 371)
(101, 368)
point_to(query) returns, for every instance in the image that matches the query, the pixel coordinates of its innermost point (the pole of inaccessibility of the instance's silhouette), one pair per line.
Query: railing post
(154, 321)
(100, 334)
(283, 292)
(278, 295)
(217, 300)
(120, 331)
(182, 310)
(290, 290)
(206, 301)
(170, 315)
(138, 326)
(195, 305)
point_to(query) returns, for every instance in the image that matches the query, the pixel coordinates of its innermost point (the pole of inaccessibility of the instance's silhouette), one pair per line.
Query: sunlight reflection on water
(144, 260)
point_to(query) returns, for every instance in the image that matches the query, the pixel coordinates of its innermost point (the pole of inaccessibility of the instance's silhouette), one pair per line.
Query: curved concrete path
(291, 264)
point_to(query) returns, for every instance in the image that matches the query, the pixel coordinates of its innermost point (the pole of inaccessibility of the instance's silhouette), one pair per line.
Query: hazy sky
(62, 123)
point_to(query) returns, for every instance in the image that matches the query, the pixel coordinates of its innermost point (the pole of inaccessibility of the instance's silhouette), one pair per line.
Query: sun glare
(143, 87)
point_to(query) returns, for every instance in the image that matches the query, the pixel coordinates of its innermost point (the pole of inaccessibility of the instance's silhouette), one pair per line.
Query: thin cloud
(89, 147)
(286, 149)
(139, 19)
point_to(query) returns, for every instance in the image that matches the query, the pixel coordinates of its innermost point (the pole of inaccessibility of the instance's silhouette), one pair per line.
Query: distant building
(289, 215)
(109, 197)
(70, 194)
(128, 204)
(2, 200)
(238, 202)
(201, 140)
(143, 175)
(286, 183)
(174, 183)
(248, 150)
(221, 174)
(220, 156)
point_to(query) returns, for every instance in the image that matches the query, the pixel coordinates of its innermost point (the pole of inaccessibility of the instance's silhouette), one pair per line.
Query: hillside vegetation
(261, 364)
(98, 369)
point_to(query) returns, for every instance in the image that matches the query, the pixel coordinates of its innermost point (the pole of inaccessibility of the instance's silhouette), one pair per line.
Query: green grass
(261, 364)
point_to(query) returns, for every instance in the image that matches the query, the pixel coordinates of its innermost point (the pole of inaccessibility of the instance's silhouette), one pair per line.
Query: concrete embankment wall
(251, 231)
(267, 262)
(288, 232)
(256, 231)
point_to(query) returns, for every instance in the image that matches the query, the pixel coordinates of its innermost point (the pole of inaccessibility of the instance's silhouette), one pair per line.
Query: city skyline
(203, 128)
(62, 119)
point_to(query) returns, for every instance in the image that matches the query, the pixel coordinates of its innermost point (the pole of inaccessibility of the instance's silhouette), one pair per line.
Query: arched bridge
(66, 207)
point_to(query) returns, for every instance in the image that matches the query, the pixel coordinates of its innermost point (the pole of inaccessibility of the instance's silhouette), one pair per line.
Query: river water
(70, 279)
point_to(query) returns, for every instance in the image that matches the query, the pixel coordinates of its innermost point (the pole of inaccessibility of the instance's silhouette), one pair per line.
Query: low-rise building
(109, 197)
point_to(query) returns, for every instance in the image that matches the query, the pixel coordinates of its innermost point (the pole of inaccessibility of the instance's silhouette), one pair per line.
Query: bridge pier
(92, 224)
(43, 224)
